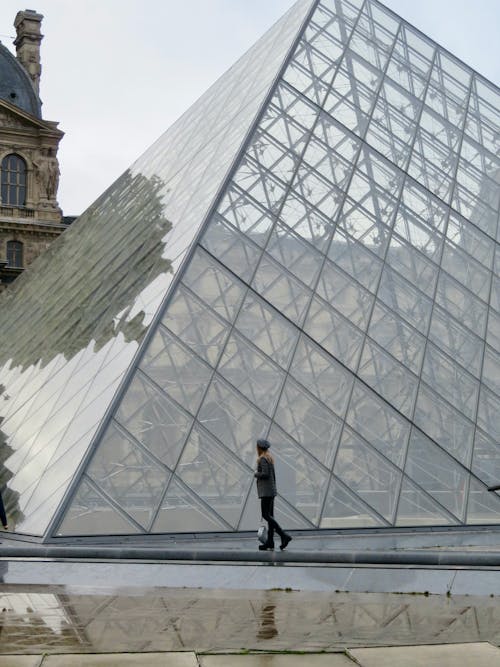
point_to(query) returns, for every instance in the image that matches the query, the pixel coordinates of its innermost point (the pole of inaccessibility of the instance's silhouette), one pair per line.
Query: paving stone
(121, 660)
(275, 660)
(480, 654)
(19, 660)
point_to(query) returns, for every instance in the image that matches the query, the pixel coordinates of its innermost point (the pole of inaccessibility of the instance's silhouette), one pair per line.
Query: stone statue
(47, 175)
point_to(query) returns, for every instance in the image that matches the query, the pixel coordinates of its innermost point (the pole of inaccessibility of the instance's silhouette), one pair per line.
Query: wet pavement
(72, 620)
(98, 613)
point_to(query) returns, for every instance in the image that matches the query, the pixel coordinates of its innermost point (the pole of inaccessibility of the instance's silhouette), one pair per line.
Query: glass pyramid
(310, 254)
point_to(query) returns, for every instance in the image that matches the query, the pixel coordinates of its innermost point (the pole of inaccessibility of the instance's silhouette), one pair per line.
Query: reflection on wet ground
(34, 619)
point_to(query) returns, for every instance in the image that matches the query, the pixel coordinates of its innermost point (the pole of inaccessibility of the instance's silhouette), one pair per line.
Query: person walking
(3, 516)
(266, 490)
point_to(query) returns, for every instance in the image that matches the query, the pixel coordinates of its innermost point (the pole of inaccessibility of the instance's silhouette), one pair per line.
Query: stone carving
(8, 120)
(47, 175)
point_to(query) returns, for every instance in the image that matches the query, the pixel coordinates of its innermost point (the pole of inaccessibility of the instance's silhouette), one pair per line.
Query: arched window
(13, 180)
(15, 254)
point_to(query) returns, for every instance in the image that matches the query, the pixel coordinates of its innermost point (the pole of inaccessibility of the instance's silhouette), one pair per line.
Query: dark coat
(266, 478)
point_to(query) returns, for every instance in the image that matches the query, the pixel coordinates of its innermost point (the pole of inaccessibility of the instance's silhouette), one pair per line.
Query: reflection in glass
(310, 254)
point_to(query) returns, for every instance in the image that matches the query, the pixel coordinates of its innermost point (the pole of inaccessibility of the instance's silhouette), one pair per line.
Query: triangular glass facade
(311, 255)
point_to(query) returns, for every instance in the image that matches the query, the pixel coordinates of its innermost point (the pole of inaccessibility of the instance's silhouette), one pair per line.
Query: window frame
(13, 180)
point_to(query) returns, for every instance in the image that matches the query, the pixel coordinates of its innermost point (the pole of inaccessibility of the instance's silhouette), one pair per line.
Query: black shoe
(285, 540)
(266, 547)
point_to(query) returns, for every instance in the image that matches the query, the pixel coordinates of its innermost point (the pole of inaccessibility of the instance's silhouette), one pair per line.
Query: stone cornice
(44, 127)
(32, 227)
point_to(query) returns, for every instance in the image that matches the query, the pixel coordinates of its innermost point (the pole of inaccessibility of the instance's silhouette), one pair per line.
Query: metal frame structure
(337, 293)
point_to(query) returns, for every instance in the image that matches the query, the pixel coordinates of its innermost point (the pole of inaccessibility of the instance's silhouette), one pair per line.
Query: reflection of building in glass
(310, 254)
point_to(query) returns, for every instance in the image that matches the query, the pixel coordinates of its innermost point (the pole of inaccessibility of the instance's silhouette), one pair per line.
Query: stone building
(30, 217)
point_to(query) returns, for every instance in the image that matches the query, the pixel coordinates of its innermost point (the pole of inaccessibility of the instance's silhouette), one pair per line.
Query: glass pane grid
(342, 299)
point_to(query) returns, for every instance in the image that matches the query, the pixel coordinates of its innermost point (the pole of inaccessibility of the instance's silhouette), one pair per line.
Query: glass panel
(495, 293)
(337, 138)
(343, 509)
(444, 424)
(128, 476)
(397, 337)
(322, 375)
(436, 472)
(90, 514)
(310, 72)
(306, 221)
(461, 303)
(301, 481)
(251, 373)
(464, 269)
(413, 265)
(214, 284)
(267, 329)
(247, 215)
(486, 459)
(281, 289)
(477, 211)
(416, 508)
(391, 133)
(491, 369)
(368, 474)
(450, 381)
(318, 191)
(215, 475)
(355, 259)
(378, 423)
(411, 61)
(154, 420)
(231, 248)
(313, 426)
(405, 299)
(294, 254)
(458, 342)
(493, 333)
(182, 512)
(418, 234)
(473, 174)
(260, 184)
(197, 326)
(344, 295)
(478, 169)
(483, 507)
(328, 163)
(388, 378)
(363, 226)
(233, 420)
(489, 409)
(334, 333)
(176, 370)
(289, 118)
(465, 236)
(268, 152)
(429, 209)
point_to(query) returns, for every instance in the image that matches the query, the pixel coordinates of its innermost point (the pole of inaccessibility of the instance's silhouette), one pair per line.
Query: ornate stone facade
(30, 216)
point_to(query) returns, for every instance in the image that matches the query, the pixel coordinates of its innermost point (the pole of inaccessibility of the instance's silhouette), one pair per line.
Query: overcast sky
(117, 73)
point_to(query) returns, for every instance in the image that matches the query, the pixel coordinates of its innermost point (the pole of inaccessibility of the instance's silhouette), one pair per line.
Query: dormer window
(13, 180)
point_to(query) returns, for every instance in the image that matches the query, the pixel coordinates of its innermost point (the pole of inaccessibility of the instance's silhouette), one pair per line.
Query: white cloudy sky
(117, 73)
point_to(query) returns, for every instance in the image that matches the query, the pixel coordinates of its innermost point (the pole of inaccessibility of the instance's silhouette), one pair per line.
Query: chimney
(27, 43)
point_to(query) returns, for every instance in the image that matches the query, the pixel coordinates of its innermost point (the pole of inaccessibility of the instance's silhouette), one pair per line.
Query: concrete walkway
(479, 654)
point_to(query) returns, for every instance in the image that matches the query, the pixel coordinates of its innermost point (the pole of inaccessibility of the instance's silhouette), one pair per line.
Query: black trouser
(3, 517)
(267, 509)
